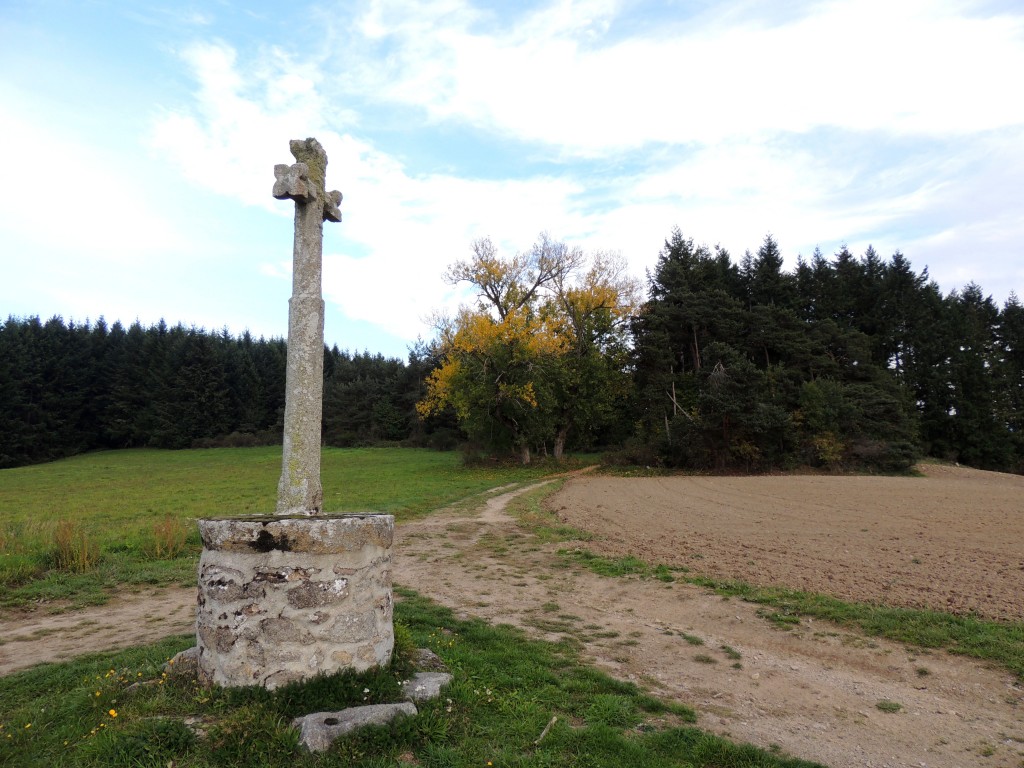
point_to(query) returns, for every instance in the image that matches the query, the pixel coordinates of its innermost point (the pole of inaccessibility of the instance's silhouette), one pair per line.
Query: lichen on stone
(310, 152)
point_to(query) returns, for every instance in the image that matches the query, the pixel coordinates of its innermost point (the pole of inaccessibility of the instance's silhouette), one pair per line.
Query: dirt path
(811, 692)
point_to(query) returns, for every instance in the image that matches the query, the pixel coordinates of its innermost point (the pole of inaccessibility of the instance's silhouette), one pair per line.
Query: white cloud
(235, 133)
(403, 230)
(721, 90)
(414, 228)
(895, 124)
(913, 67)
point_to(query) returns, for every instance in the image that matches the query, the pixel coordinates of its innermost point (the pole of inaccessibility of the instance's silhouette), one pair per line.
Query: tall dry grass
(73, 549)
(168, 538)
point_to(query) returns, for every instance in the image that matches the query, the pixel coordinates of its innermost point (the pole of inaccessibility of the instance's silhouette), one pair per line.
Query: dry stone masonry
(285, 599)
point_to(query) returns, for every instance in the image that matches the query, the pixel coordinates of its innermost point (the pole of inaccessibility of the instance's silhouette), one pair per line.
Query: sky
(138, 142)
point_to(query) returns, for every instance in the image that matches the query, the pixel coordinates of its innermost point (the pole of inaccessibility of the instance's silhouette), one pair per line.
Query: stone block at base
(284, 599)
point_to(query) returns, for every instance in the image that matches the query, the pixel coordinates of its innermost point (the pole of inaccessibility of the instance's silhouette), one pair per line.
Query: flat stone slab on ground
(319, 730)
(425, 686)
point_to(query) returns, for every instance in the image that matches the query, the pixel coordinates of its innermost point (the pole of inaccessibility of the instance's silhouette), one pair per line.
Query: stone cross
(299, 492)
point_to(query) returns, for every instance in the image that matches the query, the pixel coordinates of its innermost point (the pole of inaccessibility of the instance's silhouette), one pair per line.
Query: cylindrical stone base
(283, 599)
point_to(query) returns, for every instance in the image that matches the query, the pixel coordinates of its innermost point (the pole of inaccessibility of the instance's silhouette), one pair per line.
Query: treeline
(844, 362)
(66, 388)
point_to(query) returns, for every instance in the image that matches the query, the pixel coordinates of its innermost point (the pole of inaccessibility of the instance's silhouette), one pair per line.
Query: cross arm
(292, 183)
(331, 203)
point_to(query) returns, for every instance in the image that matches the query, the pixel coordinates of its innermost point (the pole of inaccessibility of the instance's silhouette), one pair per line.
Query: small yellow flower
(28, 725)
(112, 713)
(97, 693)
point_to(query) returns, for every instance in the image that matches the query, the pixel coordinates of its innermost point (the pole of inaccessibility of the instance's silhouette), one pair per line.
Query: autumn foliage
(542, 350)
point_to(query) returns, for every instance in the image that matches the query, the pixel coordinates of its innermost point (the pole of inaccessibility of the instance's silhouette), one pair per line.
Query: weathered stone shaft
(299, 491)
(285, 599)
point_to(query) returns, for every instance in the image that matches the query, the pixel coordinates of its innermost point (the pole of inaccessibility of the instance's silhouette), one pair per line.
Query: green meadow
(75, 529)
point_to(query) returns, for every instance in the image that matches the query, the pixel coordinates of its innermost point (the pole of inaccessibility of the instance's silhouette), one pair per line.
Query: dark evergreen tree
(270, 359)
(366, 399)
(765, 281)
(980, 431)
(245, 389)
(1010, 376)
(194, 396)
(785, 369)
(125, 415)
(67, 388)
(22, 423)
(694, 299)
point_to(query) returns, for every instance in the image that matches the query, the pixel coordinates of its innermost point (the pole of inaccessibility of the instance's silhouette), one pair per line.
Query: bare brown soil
(811, 692)
(953, 541)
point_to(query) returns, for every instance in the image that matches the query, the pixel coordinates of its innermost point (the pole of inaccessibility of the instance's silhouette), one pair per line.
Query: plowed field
(952, 541)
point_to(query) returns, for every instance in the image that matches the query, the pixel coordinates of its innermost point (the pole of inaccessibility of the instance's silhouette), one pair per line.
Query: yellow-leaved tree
(542, 353)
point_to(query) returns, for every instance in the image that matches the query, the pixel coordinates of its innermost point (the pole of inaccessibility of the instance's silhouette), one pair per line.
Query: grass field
(73, 530)
(90, 712)
(76, 529)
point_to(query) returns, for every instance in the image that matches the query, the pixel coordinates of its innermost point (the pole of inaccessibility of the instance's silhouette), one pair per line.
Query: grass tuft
(73, 549)
(169, 538)
(620, 566)
(731, 652)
